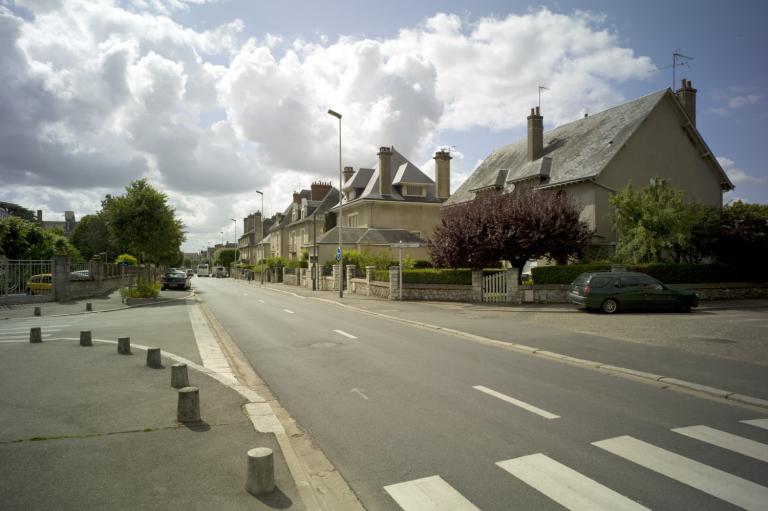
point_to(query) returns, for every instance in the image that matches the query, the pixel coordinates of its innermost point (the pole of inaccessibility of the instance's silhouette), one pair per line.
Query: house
(253, 232)
(595, 157)
(67, 227)
(307, 214)
(391, 202)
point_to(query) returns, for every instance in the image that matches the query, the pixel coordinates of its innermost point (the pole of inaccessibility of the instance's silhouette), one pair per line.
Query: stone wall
(437, 292)
(379, 289)
(358, 287)
(544, 293)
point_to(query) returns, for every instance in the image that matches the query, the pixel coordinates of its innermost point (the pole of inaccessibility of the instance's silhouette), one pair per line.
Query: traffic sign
(338, 254)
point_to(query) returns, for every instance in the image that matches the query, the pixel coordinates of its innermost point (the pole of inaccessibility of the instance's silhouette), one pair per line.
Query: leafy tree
(744, 234)
(329, 221)
(187, 262)
(127, 259)
(22, 239)
(224, 256)
(141, 222)
(515, 227)
(700, 238)
(91, 236)
(651, 223)
(19, 211)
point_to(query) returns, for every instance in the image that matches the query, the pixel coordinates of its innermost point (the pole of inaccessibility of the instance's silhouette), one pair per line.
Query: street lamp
(339, 221)
(261, 234)
(237, 243)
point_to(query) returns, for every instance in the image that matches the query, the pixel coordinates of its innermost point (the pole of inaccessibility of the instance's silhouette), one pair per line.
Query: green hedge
(669, 273)
(460, 276)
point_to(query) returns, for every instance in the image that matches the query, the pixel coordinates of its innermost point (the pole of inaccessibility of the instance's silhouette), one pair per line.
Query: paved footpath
(88, 428)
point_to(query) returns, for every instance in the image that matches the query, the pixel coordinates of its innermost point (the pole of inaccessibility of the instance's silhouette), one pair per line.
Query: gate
(20, 278)
(495, 288)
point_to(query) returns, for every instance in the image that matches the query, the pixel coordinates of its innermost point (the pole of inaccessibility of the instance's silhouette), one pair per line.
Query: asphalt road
(392, 405)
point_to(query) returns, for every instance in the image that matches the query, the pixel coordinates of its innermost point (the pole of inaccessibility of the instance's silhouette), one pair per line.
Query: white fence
(495, 288)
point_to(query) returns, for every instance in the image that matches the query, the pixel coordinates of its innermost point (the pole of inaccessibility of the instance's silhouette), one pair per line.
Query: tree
(127, 260)
(21, 239)
(516, 227)
(141, 222)
(16, 210)
(651, 222)
(329, 221)
(224, 256)
(91, 236)
(744, 234)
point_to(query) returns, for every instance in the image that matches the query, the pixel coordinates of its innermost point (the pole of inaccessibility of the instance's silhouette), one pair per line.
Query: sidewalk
(101, 303)
(87, 428)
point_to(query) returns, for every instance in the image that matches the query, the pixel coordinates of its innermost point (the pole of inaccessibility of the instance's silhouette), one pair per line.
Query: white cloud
(737, 175)
(96, 95)
(740, 101)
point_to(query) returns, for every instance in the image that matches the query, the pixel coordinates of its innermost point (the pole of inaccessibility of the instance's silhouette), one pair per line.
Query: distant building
(67, 226)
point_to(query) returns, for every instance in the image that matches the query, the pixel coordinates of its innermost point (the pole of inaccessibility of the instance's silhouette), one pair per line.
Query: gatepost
(60, 278)
(369, 277)
(512, 293)
(477, 286)
(350, 270)
(394, 282)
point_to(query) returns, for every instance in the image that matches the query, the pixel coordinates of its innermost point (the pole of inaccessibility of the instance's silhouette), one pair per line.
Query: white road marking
(360, 392)
(26, 328)
(565, 486)
(517, 402)
(210, 352)
(725, 486)
(262, 301)
(758, 423)
(288, 311)
(23, 339)
(345, 334)
(728, 441)
(429, 494)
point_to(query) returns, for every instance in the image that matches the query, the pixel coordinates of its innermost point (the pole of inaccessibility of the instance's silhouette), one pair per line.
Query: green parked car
(612, 291)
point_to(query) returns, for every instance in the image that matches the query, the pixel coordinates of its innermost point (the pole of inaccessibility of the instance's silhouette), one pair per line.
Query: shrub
(381, 275)
(421, 264)
(460, 276)
(564, 274)
(142, 290)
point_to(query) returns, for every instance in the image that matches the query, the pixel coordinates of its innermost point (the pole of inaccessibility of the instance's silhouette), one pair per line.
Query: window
(352, 220)
(416, 233)
(414, 191)
(304, 236)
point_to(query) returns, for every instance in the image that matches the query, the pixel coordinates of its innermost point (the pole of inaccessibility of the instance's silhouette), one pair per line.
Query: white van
(202, 270)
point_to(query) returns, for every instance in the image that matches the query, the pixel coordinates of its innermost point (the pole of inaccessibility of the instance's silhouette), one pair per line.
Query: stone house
(307, 214)
(253, 232)
(392, 201)
(67, 226)
(595, 157)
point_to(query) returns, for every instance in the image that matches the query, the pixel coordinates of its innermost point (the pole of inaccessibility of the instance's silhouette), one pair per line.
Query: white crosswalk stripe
(565, 486)
(725, 486)
(760, 423)
(725, 440)
(18, 331)
(429, 494)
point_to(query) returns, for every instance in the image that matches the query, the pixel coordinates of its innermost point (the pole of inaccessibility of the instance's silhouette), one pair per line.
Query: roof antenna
(541, 88)
(677, 56)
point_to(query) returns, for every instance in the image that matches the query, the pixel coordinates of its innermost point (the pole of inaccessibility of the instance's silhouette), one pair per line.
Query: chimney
(319, 190)
(443, 174)
(296, 197)
(40, 216)
(687, 97)
(535, 135)
(348, 172)
(385, 171)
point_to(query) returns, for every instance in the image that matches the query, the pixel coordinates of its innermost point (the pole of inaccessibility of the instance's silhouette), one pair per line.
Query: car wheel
(609, 306)
(682, 305)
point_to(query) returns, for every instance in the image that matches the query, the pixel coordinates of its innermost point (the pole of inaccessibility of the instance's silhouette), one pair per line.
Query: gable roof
(365, 181)
(573, 152)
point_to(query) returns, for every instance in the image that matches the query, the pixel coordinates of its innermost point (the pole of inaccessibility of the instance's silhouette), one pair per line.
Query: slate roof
(366, 180)
(576, 151)
(367, 236)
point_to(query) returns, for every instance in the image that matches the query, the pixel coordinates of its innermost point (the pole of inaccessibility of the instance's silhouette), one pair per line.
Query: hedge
(669, 273)
(460, 276)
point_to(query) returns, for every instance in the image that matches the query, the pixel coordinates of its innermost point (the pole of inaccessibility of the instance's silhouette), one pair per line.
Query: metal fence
(25, 277)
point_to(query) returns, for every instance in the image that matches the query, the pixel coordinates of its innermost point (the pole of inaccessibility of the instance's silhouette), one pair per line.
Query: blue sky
(212, 100)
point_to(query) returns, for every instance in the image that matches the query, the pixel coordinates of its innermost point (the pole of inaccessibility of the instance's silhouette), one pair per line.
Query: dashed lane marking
(517, 402)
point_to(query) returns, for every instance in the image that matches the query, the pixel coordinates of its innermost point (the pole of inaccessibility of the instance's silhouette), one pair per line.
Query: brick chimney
(348, 172)
(319, 190)
(687, 97)
(385, 171)
(297, 197)
(443, 174)
(535, 135)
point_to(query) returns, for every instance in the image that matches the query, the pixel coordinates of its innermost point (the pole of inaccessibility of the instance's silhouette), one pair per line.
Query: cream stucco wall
(395, 215)
(327, 252)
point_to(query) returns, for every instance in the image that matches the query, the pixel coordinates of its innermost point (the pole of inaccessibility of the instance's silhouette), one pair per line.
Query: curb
(670, 381)
(165, 300)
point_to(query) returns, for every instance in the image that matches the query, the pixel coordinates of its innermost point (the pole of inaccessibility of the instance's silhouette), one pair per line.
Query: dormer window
(414, 190)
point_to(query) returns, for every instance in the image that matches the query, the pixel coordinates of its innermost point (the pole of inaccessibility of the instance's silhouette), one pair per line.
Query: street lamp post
(261, 234)
(339, 220)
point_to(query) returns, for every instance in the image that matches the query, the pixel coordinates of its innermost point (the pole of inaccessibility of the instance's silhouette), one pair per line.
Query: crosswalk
(18, 331)
(575, 491)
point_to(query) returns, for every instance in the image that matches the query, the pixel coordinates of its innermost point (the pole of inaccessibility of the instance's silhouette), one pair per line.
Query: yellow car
(39, 284)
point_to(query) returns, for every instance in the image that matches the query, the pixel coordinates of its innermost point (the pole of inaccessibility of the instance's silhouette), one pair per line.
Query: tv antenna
(678, 60)
(541, 88)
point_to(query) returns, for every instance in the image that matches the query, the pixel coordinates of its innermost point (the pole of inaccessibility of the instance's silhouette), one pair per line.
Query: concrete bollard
(35, 335)
(261, 471)
(153, 358)
(85, 338)
(88, 307)
(38, 311)
(188, 409)
(179, 376)
(124, 345)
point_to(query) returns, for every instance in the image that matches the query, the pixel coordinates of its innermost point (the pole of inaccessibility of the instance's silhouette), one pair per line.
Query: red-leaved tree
(516, 227)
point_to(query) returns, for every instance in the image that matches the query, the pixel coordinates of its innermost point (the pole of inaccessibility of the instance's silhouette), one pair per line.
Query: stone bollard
(153, 358)
(261, 471)
(188, 409)
(85, 338)
(38, 311)
(35, 335)
(124, 345)
(88, 307)
(179, 377)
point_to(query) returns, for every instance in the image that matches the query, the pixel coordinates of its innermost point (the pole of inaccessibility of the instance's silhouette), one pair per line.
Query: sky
(212, 100)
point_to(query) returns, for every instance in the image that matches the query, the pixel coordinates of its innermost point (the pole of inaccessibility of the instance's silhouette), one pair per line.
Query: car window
(47, 279)
(629, 282)
(599, 282)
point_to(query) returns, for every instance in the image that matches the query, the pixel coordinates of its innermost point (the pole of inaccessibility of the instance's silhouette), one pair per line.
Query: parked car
(190, 272)
(613, 291)
(203, 270)
(176, 279)
(219, 272)
(80, 275)
(39, 284)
